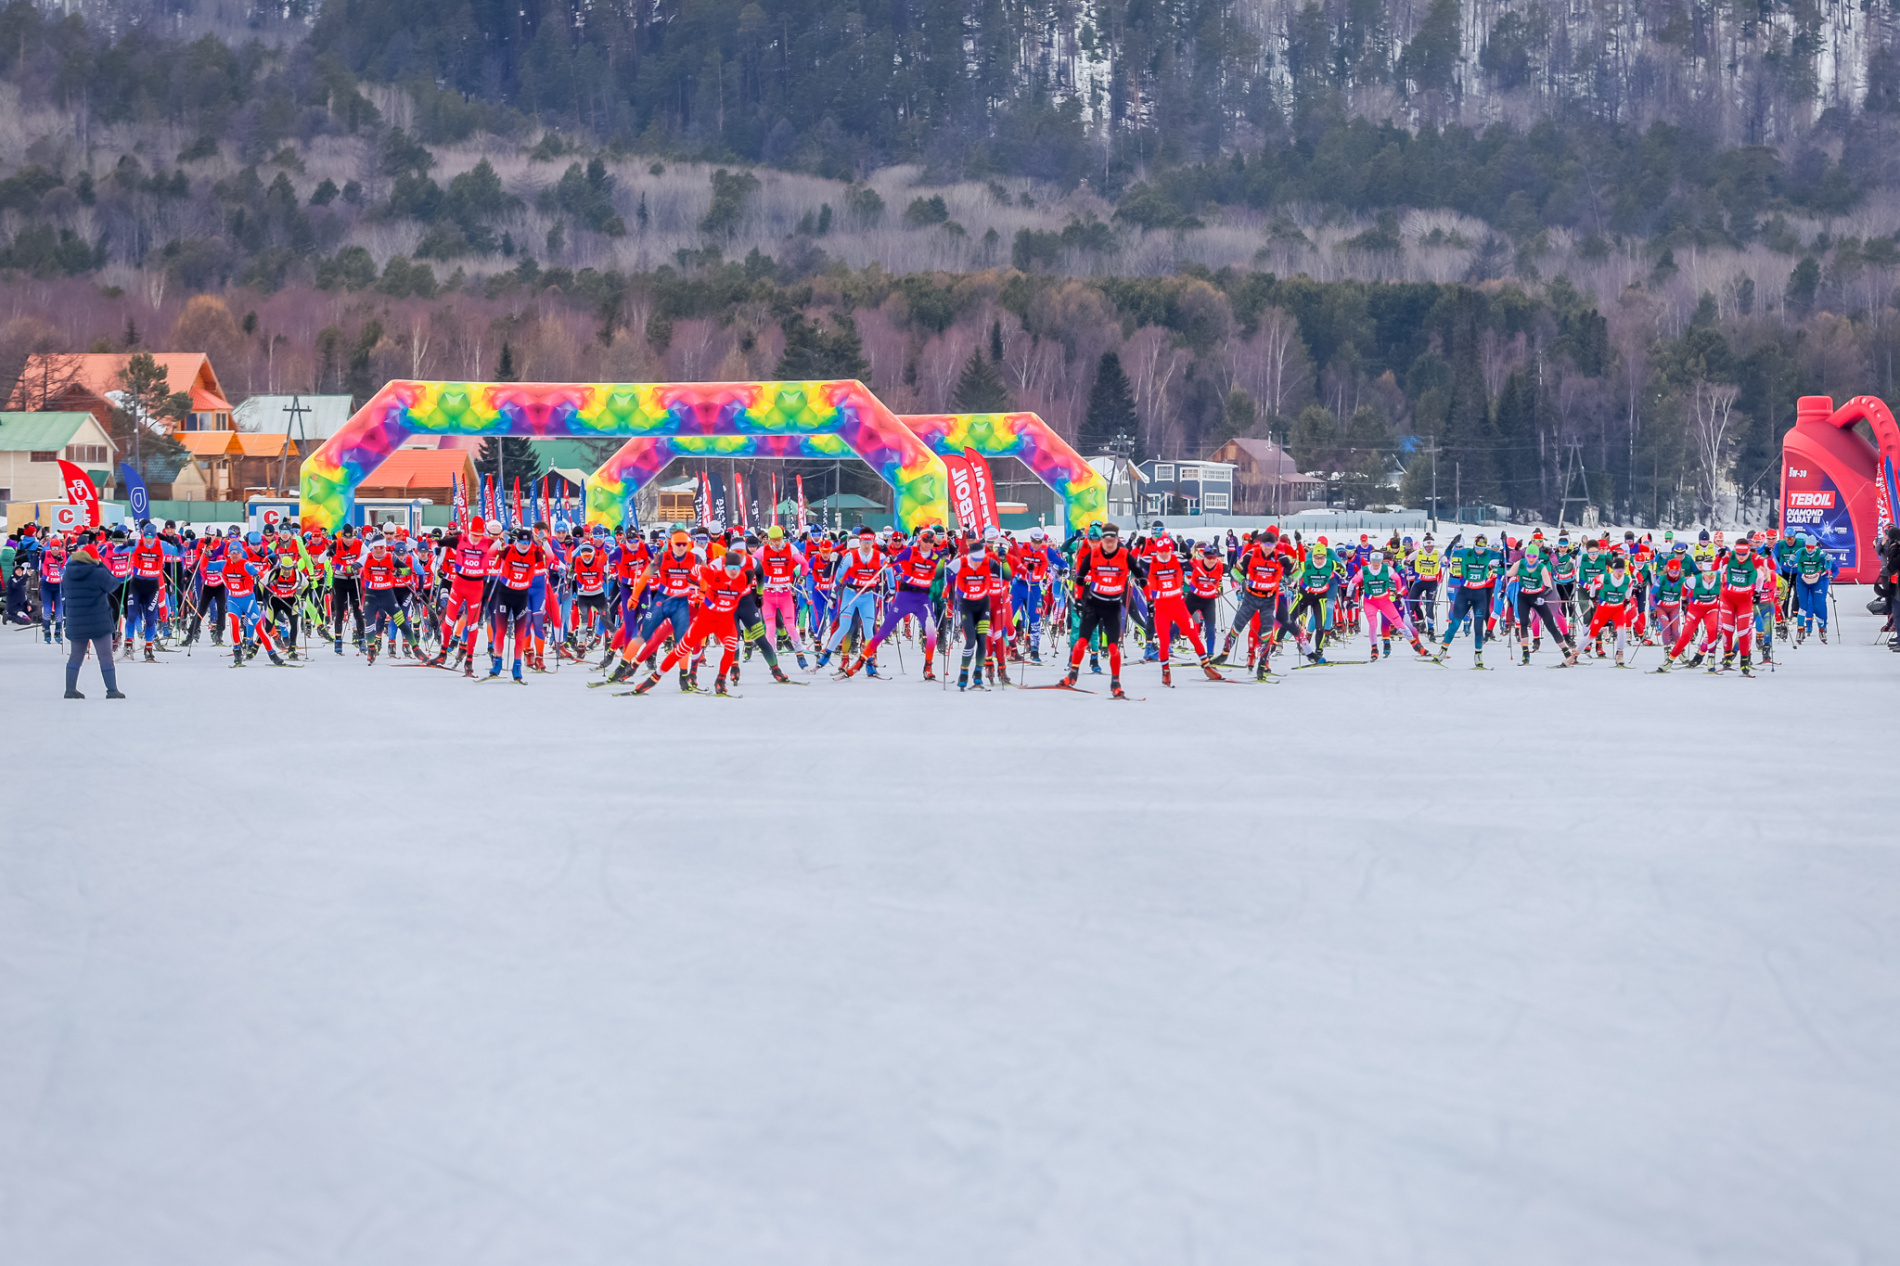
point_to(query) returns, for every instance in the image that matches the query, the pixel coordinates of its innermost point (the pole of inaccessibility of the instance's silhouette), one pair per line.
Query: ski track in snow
(1390, 963)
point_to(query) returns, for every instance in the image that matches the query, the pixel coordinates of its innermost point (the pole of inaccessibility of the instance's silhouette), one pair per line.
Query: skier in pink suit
(1379, 585)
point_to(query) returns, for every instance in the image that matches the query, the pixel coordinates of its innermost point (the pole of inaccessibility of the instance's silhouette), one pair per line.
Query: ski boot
(963, 680)
(1823, 632)
(802, 665)
(687, 684)
(1001, 675)
(150, 656)
(1619, 657)
(277, 659)
(237, 656)
(1068, 678)
(1385, 644)
(870, 668)
(1095, 664)
(494, 666)
(719, 684)
(1477, 659)
(647, 683)
(336, 644)
(115, 693)
(375, 648)
(1115, 688)
(824, 658)
(1696, 661)
(1748, 670)
(1207, 666)
(778, 674)
(517, 672)
(1167, 677)
(1374, 656)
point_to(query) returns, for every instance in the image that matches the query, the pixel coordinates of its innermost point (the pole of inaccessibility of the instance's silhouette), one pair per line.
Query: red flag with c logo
(80, 492)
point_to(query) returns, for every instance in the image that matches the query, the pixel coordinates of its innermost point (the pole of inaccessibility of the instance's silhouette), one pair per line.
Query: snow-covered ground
(1383, 964)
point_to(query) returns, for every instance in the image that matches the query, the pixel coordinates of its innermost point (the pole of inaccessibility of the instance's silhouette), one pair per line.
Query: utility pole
(1573, 466)
(295, 409)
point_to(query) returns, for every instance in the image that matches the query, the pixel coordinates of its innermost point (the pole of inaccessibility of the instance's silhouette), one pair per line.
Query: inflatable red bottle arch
(1835, 485)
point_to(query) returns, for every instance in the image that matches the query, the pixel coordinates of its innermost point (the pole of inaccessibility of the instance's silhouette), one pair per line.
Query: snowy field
(1384, 964)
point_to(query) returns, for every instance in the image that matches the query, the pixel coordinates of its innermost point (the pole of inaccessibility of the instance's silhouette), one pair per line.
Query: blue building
(1186, 487)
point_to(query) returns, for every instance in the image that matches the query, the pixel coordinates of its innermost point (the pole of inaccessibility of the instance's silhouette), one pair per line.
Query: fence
(1307, 523)
(191, 511)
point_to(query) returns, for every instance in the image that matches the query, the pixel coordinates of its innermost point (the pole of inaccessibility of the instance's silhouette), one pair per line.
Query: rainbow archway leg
(1030, 440)
(775, 414)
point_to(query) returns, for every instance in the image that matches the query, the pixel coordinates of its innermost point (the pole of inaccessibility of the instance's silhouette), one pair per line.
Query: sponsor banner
(962, 490)
(985, 489)
(1812, 503)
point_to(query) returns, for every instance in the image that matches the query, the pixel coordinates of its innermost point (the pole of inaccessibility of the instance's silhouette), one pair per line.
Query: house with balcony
(1170, 487)
(1267, 481)
(90, 383)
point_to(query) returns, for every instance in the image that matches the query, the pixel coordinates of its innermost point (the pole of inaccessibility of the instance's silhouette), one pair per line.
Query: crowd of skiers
(657, 601)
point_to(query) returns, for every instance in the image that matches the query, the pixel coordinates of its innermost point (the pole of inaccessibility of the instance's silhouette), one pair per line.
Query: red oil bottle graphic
(1837, 487)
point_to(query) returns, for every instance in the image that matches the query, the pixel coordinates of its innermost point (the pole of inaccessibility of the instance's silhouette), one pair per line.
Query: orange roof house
(85, 381)
(263, 458)
(420, 473)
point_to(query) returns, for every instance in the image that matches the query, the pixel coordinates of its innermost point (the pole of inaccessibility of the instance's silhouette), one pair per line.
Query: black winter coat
(87, 589)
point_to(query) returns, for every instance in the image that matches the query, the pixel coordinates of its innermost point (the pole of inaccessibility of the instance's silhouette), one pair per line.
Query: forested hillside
(1357, 226)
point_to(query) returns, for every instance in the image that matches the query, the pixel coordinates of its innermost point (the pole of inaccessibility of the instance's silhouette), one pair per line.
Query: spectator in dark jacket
(88, 588)
(1887, 583)
(19, 610)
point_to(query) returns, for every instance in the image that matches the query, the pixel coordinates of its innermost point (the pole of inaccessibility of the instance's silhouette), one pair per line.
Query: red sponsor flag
(962, 491)
(705, 501)
(801, 503)
(517, 500)
(985, 489)
(738, 500)
(80, 492)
